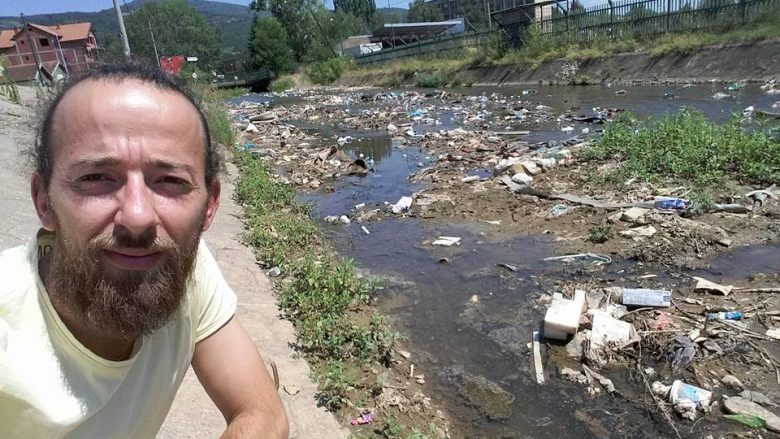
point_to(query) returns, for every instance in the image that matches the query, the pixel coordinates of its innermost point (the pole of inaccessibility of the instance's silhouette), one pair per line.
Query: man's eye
(89, 178)
(174, 181)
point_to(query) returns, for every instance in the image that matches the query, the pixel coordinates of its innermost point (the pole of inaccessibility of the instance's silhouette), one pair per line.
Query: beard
(121, 303)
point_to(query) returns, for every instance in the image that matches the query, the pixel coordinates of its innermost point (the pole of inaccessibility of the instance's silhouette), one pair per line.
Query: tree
(363, 9)
(270, 46)
(178, 30)
(475, 13)
(421, 11)
(296, 18)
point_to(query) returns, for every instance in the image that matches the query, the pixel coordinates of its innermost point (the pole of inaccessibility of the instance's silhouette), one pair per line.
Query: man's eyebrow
(98, 162)
(173, 166)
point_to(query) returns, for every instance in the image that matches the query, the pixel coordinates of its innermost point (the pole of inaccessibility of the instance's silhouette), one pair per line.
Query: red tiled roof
(44, 29)
(6, 36)
(74, 31)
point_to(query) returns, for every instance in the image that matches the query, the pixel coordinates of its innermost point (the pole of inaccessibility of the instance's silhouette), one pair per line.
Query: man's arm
(230, 369)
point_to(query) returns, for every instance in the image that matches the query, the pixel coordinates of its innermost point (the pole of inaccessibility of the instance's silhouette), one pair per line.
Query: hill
(233, 21)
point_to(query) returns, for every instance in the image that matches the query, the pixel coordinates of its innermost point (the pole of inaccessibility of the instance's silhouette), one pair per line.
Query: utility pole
(37, 57)
(122, 31)
(156, 55)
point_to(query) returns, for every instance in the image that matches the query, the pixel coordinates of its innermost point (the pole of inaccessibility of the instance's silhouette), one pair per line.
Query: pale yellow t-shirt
(51, 386)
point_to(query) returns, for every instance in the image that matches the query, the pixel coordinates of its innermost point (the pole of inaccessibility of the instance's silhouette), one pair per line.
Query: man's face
(127, 200)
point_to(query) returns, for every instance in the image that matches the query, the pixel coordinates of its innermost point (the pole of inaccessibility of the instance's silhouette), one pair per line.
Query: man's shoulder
(16, 272)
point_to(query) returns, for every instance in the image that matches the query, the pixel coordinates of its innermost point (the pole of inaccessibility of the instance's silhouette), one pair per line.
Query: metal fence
(633, 18)
(469, 39)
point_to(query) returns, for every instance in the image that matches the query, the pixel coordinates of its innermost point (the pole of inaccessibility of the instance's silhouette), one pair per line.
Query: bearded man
(105, 308)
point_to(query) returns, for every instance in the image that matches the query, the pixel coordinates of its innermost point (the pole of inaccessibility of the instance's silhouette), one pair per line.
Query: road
(192, 415)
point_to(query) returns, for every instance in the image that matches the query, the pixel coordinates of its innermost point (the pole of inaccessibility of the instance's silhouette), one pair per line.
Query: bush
(281, 84)
(688, 148)
(326, 72)
(431, 80)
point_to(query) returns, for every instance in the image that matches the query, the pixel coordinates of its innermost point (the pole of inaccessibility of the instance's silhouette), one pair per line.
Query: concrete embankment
(722, 63)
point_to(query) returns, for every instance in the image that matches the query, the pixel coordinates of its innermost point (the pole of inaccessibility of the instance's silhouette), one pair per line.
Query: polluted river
(468, 264)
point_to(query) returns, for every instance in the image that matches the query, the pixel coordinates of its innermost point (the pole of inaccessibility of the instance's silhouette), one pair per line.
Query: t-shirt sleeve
(213, 301)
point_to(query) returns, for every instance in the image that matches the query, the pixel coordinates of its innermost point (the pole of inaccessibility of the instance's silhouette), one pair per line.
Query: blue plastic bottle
(728, 315)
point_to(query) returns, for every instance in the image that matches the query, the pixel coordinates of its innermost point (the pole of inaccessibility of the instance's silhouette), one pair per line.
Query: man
(116, 295)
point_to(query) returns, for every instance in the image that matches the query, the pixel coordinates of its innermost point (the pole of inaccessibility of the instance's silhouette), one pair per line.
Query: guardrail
(470, 39)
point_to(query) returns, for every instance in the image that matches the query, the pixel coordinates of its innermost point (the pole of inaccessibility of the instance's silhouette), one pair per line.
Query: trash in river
(558, 210)
(597, 259)
(331, 219)
(720, 95)
(773, 333)
(365, 230)
(671, 203)
(687, 398)
(751, 421)
(345, 219)
(470, 179)
(251, 128)
(274, 272)
(404, 204)
(728, 315)
(538, 358)
(646, 297)
(705, 285)
(522, 178)
(365, 418)
(741, 406)
(447, 241)
(609, 330)
(735, 86)
(681, 352)
(508, 266)
(563, 316)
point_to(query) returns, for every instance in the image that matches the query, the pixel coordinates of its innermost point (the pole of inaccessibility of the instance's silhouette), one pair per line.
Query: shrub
(281, 84)
(431, 80)
(326, 72)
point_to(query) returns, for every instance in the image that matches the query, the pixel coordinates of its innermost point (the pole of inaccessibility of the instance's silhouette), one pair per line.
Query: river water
(470, 317)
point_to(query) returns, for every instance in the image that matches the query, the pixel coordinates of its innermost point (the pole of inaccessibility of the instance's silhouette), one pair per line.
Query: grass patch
(327, 72)
(323, 295)
(431, 80)
(687, 148)
(282, 83)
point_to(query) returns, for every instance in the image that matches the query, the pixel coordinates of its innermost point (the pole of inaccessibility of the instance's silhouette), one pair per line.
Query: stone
(522, 178)
(758, 398)
(741, 406)
(574, 348)
(639, 232)
(633, 214)
(732, 381)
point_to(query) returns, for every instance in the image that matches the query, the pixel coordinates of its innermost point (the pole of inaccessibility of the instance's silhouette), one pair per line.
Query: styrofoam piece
(563, 316)
(606, 329)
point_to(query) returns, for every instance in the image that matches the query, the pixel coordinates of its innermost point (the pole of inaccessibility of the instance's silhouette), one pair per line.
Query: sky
(31, 7)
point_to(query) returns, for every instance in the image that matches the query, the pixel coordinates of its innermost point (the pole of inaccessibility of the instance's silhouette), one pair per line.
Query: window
(44, 42)
(26, 58)
(21, 42)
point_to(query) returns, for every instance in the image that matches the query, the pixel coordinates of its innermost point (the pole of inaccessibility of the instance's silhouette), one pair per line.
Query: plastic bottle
(671, 203)
(728, 315)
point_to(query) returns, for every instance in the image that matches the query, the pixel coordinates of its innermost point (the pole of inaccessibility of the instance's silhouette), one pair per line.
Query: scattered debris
(705, 285)
(538, 359)
(447, 241)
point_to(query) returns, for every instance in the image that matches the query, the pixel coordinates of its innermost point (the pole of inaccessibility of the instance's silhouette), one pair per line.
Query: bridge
(256, 80)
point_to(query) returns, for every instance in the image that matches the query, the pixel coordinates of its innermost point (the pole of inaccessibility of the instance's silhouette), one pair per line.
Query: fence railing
(469, 39)
(635, 18)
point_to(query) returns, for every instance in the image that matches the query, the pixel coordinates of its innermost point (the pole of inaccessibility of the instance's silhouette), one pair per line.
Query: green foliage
(422, 11)
(326, 72)
(270, 46)
(363, 9)
(334, 384)
(687, 148)
(217, 115)
(295, 16)
(497, 45)
(600, 233)
(283, 83)
(178, 30)
(324, 292)
(431, 80)
(8, 88)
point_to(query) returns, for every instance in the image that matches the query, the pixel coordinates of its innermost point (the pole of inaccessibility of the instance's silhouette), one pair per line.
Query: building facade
(36, 50)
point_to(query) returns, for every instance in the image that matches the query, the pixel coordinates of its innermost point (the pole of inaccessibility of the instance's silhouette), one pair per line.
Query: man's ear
(212, 203)
(40, 197)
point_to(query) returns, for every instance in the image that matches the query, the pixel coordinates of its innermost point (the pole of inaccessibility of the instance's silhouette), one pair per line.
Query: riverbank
(501, 172)
(751, 61)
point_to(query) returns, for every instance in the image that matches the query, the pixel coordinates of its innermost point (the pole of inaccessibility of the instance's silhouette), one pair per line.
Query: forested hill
(232, 20)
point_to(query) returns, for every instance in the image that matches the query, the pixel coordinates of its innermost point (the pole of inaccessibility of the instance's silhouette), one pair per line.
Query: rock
(633, 214)
(639, 232)
(522, 178)
(251, 128)
(574, 376)
(405, 354)
(574, 348)
(732, 381)
(531, 168)
(758, 398)
(741, 406)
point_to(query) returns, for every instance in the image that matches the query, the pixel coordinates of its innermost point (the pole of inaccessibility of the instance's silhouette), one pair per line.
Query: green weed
(431, 80)
(327, 72)
(600, 234)
(334, 383)
(689, 149)
(282, 83)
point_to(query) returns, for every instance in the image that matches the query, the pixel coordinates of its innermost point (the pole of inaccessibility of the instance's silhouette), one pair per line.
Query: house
(46, 53)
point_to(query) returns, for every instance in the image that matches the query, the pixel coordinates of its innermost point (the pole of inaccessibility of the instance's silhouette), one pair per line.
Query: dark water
(431, 302)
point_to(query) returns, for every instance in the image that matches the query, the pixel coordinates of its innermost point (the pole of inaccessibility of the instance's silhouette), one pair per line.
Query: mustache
(148, 241)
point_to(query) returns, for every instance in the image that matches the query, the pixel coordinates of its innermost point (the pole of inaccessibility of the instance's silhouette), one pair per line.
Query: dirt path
(192, 415)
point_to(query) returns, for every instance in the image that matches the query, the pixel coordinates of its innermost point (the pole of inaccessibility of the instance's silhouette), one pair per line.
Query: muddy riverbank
(468, 310)
(722, 63)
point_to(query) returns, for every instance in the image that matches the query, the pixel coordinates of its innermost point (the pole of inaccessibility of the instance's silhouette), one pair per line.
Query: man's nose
(136, 211)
